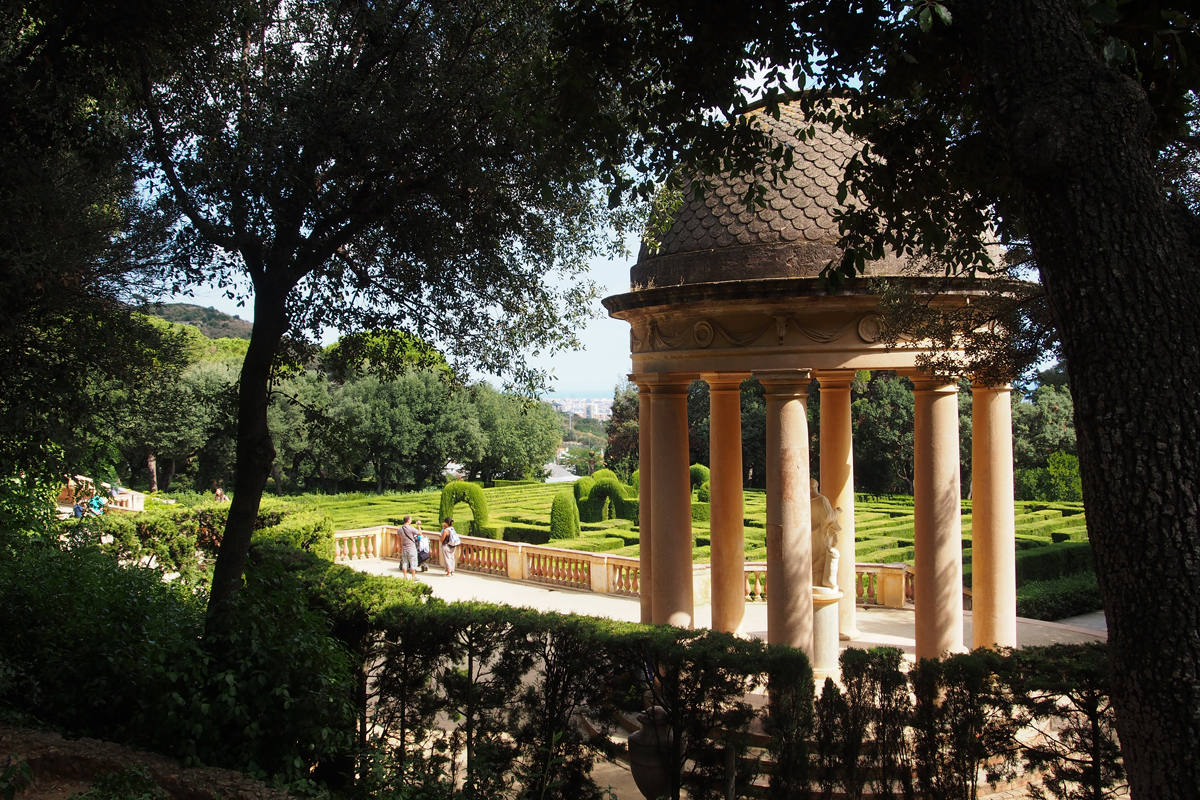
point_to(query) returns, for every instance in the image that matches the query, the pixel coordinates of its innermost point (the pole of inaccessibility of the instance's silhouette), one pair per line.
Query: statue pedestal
(825, 635)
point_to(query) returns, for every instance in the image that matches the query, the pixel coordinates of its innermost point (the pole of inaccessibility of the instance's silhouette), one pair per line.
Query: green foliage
(564, 516)
(699, 475)
(308, 530)
(701, 512)
(1059, 481)
(607, 498)
(700, 680)
(789, 721)
(843, 722)
(704, 492)
(1047, 562)
(962, 723)
(883, 435)
(1064, 692)
(1059, 598)
(605, 474)
(15, 776)
(406, 429)
(519, 437)
(110, 651)
(622, 449)
(1043, 424)
(583, 488)
(457, 492)
(634, 480)
(384, 353)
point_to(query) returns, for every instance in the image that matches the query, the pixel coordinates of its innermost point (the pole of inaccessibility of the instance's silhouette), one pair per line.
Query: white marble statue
(825, 527)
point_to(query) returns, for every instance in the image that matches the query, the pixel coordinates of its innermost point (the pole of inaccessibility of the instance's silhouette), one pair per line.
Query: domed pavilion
(732, 292)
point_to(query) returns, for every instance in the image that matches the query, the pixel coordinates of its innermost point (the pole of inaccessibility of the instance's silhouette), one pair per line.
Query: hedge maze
(1054, 561)
(1051, 537)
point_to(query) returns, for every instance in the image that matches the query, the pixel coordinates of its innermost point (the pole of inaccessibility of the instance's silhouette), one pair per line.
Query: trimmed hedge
(635, 480)
(699, 474)
(472, 494)
(1048, 563)
(705, 492)
(564, 516)
(605, 474)
(526, 535)
(701, 512)
(583, 487)
(1057, 599)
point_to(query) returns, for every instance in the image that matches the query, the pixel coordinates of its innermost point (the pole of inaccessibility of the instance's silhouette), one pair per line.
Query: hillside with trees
(212, 323)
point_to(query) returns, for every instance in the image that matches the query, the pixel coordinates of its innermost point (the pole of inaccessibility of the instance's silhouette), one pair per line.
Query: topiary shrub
(470, 493)
(634, 480)
(705, 492)
(583, 488)
(605, 474)
(564, 517)
(699, 474)
(608, 490)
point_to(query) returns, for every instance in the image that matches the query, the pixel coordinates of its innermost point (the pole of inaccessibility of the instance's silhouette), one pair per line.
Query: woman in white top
(450, 543)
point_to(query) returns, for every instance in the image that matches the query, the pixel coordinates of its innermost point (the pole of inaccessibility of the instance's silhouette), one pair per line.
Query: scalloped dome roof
(719, 238)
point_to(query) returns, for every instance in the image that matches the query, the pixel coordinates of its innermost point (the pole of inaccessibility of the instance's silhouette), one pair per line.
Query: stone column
(645, 492)
(671, 502)
(993, 547)
(938, 523)
(789, 528)
(726, 508)
(837, 483)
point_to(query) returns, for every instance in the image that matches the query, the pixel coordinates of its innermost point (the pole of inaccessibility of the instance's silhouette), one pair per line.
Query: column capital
(663, 382)
(935, 385)
(835, 378)
(724, 381)
(785, 382)
(981, 386)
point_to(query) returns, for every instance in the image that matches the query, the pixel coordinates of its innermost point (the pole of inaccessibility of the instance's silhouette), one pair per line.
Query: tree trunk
(168, 473)
(255, 451)
(1121, 268)
(152, 468)
(277, 474)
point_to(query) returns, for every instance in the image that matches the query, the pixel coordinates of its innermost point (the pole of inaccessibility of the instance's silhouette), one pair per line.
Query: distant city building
(586, 407)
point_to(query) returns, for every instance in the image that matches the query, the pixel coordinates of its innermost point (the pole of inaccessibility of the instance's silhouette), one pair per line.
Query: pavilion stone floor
(879, 626)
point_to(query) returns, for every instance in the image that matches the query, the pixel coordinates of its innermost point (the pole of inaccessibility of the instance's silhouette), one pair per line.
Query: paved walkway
(879, 626)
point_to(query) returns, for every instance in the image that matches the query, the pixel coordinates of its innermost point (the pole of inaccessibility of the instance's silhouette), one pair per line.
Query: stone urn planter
(648, 751)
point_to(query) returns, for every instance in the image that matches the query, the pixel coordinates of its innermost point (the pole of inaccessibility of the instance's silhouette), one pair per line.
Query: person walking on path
(450, 543)
(408, 548)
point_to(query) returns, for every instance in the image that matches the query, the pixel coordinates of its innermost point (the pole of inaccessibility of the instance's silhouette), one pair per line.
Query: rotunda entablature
(769, 324)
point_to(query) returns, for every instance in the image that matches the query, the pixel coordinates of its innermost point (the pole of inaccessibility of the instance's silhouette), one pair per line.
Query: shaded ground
(61, 768)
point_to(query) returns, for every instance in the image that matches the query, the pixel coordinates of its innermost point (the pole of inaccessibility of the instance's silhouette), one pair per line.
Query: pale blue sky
(591, 372)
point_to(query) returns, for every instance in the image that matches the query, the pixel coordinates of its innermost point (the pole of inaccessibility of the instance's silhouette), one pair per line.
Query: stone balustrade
(890, 585)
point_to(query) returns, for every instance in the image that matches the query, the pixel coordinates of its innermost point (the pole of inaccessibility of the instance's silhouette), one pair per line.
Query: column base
(825, 635)
(850, 635)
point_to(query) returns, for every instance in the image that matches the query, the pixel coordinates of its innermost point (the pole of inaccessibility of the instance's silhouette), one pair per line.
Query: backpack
(452, 538)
